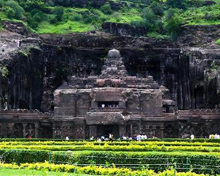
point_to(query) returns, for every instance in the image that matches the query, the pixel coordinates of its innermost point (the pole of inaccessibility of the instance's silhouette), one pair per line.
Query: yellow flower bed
(110, 147)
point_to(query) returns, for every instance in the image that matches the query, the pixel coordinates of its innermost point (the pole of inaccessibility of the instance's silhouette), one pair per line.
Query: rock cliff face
(37, 65)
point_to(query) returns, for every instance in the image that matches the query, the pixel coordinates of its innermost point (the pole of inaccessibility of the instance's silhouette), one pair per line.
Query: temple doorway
(105, 130)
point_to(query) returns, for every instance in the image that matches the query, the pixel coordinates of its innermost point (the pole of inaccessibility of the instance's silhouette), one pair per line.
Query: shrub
(150, 20)
(3, 70)
(155, 161)
(65, 3)
(35, 17)
(29, 5)
(24, 156)
(217, 42)
(106, 9)
(59, 12)
(181, 4)
(9, 12)
(18, 10)
(157, 8)
(157, 35)
(173, 22)
(75, 17)
(2, 2)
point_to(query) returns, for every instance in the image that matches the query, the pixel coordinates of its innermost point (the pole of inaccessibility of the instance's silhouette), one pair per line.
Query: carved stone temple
(112, 102)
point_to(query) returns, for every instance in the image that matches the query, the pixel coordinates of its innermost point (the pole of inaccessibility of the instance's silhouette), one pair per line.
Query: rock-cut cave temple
(112, 102)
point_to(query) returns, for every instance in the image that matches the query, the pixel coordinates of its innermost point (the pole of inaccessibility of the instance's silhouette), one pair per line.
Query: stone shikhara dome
(114, 54)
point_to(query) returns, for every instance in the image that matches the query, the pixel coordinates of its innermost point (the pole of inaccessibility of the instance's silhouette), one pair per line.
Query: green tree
(18, 10)
(150, 19)
(3, 70)
(29, 5)
(181, 4)
(173, 22)
(35, 17)
(59, 12)
(66, 3)
(2, 2)
(9, 12)
(106, 9)
(157, 8)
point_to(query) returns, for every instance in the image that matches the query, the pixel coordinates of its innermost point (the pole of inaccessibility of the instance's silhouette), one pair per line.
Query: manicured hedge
(95, 170)
(155, 161)
(119, 143)
(106, 147)
(24, 156)
(156, 139)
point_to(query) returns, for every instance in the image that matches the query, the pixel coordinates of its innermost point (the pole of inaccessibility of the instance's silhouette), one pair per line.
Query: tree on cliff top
(180, 4)
(14, 10)
(173, 22)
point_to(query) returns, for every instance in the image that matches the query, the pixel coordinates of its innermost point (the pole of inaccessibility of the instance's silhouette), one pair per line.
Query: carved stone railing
(199, 112)
(24, 113)
(107, 110)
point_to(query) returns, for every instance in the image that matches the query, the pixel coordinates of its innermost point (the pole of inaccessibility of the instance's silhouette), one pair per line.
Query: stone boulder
(16, 27)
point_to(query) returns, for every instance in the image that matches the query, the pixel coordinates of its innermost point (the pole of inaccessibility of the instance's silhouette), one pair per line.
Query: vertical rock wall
(22, 87)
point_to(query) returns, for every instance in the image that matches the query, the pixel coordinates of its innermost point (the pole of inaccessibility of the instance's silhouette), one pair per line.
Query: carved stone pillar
(154, 131)
(24, 129)
(53, 128)
(162, 132)
(84, 131)
(140, 127)
(131, 130)
(122, 130)
(93, 131)
(10, 130)
(36, 130)
(0, 101)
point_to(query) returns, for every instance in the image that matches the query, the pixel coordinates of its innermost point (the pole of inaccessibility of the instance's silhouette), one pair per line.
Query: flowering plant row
(97, 170)
(121, 143)
(107, 147)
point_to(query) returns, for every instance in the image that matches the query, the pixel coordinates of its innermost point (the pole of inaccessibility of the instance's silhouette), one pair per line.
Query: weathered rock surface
(121, 29)
(16, 27)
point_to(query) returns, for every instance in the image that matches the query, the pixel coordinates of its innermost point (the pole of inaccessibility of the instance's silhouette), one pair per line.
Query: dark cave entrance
(199, 91)
(105, 130)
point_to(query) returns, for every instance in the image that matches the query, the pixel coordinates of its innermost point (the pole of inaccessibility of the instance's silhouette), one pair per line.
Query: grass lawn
(27, 172)
(66, 27)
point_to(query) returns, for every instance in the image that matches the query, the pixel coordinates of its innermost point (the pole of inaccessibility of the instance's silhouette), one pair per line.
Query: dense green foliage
(24, 156)
(159, 18)
(155, 161)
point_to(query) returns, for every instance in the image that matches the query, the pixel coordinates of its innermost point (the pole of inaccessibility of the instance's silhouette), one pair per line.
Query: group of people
(211, 136)
(109, 106)
(110, 138)
(104, 138)
(214, 136)
(138, 137)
